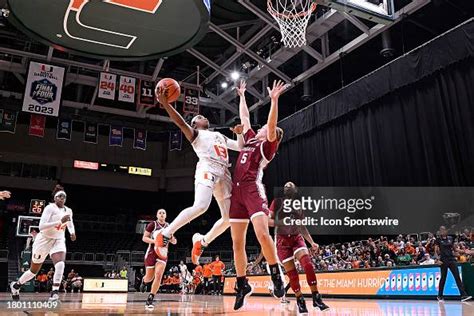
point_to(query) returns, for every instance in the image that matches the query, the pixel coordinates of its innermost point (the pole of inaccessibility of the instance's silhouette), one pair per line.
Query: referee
(445, 249)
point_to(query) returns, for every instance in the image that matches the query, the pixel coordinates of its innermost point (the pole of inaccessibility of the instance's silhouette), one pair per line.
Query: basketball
(174, 90)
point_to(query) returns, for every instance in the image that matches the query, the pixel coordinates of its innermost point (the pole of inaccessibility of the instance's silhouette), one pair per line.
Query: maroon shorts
(248, 201)
(288, 245)
(151, 258)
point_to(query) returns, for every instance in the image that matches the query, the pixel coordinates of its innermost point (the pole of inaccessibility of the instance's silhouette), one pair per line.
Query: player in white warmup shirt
(212, 178)
(49, 241)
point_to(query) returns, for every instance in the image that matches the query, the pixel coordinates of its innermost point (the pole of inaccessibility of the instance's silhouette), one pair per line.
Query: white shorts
(219, 180)
(42, 246)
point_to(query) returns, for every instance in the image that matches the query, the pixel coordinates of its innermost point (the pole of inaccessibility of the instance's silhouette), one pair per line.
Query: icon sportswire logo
(78, 30)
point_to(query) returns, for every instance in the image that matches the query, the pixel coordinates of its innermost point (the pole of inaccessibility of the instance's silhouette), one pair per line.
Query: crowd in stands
(122, 274)
(44, 282)
(382, 252)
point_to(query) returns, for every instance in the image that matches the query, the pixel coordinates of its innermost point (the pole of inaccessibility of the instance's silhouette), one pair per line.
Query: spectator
(207, 274)
(42, 281)
(138, 279)
(123, 273)
(76, 283)
(71, 274)
(403, 258)
(217, 268)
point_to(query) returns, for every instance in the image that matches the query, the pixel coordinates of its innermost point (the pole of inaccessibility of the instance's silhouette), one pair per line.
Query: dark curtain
(421, 134)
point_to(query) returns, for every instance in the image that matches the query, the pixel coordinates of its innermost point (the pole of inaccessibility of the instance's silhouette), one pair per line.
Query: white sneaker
(54, 296)
(14, 292)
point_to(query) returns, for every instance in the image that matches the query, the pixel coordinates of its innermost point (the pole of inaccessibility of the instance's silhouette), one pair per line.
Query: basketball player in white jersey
(49, 241)
(212, 178)
(154, 266)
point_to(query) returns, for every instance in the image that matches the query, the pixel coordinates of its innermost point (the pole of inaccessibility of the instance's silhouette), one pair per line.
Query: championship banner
(64, 130)
(146, 95)
(116, 136)
(43, 89)
(37, 125)
(410, 281)
(107, 86)
(176, 140)
(8, 121)
(191, 101)
(127, 89)
(139, 141)
(90, 133)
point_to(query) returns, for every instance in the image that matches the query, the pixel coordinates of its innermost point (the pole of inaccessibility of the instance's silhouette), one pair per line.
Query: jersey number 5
(244, 158)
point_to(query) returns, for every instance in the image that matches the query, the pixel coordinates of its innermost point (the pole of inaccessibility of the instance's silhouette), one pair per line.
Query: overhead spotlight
(235, 75)
(224, 85)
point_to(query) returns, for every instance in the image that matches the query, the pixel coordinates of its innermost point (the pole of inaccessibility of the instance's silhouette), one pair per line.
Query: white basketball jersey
(211, 147)
(53, 213)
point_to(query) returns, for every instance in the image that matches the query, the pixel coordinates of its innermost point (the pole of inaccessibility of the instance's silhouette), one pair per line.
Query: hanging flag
(107, 86)
(116, 136)
(8, 121)
(127, 89)
(90, 133)
(37, 125)
(146, 93)
(140, 139)
(191, 101)
(64, 130)
(43, 89)
(176, 140)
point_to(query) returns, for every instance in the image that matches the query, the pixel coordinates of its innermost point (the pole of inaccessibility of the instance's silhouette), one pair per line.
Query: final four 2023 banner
(43, 89)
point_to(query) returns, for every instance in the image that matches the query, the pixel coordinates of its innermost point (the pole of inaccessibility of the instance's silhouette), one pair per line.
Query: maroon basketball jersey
(276, 208)
(253, 158)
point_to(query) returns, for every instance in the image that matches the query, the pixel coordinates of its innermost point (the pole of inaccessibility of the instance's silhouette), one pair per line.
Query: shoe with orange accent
(161, 246)
(198, 248)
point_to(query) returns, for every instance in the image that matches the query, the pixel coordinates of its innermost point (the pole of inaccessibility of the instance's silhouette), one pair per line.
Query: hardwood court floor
(174, 304)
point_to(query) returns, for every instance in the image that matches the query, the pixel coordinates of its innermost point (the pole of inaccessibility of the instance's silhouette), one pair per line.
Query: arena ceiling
(243, 37)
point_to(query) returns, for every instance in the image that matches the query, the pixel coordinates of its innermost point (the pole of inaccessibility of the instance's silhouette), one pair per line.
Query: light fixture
(235, 75)
(224, 85)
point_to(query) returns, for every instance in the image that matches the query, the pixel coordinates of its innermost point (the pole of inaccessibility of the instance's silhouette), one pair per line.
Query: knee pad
(294, 280)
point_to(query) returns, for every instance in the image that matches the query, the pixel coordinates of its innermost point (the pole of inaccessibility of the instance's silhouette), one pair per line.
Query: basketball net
(292, 17)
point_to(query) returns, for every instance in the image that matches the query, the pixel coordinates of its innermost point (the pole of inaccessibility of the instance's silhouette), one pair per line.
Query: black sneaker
(278, 290)
(318, 302)
(301, 305)
(440, 298)
(15, 290)
(149, 302)
(241, 295)
(465, 298)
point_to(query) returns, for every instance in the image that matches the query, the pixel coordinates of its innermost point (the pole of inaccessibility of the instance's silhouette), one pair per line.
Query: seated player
(290, 244)
(155, 267)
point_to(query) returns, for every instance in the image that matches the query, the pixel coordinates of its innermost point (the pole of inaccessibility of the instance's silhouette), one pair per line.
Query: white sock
(26, 276)
(58, 275)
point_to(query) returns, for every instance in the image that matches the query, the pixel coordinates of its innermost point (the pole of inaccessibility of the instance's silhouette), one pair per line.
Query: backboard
(379, 11)
(114, 29)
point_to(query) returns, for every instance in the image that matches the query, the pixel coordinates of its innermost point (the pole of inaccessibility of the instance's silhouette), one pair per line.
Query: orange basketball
(172, 87)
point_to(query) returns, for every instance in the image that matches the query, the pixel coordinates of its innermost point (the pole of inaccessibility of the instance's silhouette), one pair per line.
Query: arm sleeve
(45, 223)
(70, 225)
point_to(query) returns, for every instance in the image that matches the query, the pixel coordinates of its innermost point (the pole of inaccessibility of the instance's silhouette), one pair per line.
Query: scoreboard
(37, 206)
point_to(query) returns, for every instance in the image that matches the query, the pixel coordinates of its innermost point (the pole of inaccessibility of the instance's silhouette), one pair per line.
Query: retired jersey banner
(107, 84)
(127, 89)
(191, 101)
(64, 129)
(139, 141)
(8, 121)
(43, 89)
(176, 140)
(90, 133)
(37, 125)
(116, 136)
(146, 93)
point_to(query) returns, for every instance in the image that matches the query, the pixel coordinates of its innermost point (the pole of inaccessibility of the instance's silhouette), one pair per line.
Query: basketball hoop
(292, 17)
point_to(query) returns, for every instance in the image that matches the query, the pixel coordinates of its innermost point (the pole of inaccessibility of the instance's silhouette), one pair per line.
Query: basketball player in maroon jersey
(290, 244)
(155, 267)
(248, 201)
